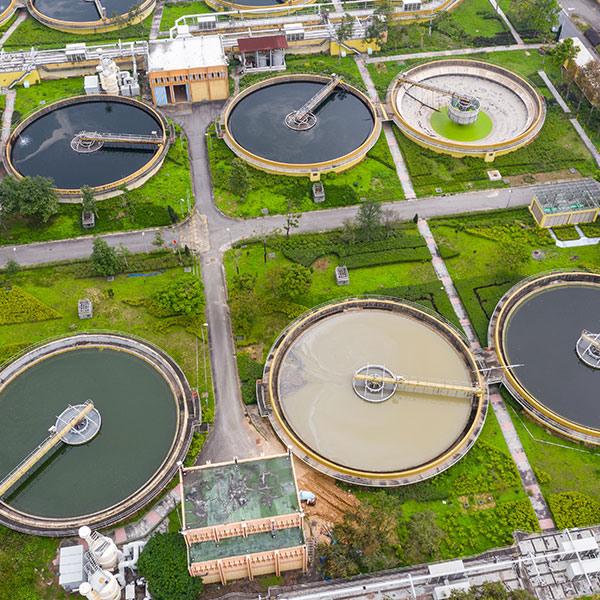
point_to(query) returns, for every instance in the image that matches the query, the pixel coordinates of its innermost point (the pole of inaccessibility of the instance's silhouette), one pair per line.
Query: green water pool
(442, 124)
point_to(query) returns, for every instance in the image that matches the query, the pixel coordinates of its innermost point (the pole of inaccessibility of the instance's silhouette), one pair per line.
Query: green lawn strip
(487, 470)
(479, 18)
(479, 237)
(32, 33)
(60, 287)
(25, 567)
(145, 207)
(375, 177)
(556, 147)
(36, 96)
(4, 28)
(317, 64)
(560, 465)
(566, 232)
(172, 12)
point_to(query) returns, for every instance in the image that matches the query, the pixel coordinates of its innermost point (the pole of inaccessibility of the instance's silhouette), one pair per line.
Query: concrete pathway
(8, 113)
(22, 16)
(401, 170)
(458, 52)
(500, 12)
(585, 138)
(156, 18)
(583, 240)
(509, 432)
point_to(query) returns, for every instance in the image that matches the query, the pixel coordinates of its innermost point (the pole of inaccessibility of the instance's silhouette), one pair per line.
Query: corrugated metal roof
(567, 196)
(268, 42)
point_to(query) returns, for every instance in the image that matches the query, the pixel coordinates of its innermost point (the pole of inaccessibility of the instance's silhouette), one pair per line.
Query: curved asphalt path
(232, 435)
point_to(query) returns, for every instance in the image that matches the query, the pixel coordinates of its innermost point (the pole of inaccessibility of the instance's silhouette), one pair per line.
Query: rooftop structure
(266, 53)
(242, 518)
(566, 203)
(187, 69)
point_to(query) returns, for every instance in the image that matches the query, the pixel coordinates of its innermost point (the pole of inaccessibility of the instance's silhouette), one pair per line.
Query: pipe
(132, 549)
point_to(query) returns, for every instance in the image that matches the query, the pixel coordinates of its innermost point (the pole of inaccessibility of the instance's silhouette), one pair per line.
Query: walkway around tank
(509, 432)
(8, 113)
(459, 52)
(156, 19)
(582, 134)
(401, 170)
(12, 28)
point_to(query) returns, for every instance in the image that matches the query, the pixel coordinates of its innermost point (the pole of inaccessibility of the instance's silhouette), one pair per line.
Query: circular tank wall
(536, 327)
(511, 111)
(41, 145)
(408, 437)
(82, 16)
(146, 412)
(346, 126)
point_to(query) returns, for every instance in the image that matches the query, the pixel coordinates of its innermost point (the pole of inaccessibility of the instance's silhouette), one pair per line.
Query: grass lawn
(487, 471)
(24, 559)
(375, 177)
(33, 98)
(317, 64)
(479, 238)
(172, 12)
(32, 33)
(479, 18)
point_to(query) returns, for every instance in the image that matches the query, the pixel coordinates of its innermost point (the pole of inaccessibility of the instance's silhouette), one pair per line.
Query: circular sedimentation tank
(377, 435)
(7, 9)
(82, 16)
(536, 328)
(144, 415)
(346, 126)
(510, 112)
(42, 144)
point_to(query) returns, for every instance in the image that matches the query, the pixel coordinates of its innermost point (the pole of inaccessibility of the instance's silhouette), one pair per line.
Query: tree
(182, 296)
(163, 562)
(423, 538)
(292, 219)
(243, 307)
(12, 267)
(159, 241)
(294, 280)
(33, 197)
(105, 259)
(87, 199)
(368, 219)
(378, 28)
(539, 15)
(562, 54)
(344, 32)
(238, 180)
(365, 539)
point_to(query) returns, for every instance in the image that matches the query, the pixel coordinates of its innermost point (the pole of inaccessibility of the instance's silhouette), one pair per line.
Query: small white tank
(109, 75)
(105, 585)
(104, 550)
(85, 589)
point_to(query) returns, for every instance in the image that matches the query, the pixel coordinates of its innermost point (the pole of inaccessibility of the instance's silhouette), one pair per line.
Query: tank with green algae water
(139, 421)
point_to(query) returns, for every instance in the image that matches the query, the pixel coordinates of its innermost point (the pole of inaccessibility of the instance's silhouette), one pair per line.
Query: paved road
(588, 9)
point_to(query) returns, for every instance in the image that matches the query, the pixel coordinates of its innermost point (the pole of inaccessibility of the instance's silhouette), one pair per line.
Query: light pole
(509, 197)
(144, 241)
(181, 206)
(204, 359)
(15, 254)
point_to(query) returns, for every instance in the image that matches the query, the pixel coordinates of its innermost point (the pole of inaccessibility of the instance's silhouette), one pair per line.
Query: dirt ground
(551, 176)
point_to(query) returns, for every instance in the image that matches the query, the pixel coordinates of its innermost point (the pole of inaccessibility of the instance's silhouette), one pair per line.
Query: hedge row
(573, 509)
(250, 370)
(17, 306)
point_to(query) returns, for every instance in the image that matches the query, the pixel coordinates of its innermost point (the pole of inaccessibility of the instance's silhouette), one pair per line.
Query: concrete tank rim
(187, 417)
(465, 148)
(298, 168)
(509, 302)
(153, 163)
(286, 433)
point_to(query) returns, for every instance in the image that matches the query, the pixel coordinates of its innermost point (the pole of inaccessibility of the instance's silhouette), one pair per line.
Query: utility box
(85, 309)
(341, 276)
(91, 85)
(318, 192)
(88, 219)
(71, 572)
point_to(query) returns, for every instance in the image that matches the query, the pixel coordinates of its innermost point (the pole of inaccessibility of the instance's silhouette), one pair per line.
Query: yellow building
(566, 203)
(242, 519)
(187, 69)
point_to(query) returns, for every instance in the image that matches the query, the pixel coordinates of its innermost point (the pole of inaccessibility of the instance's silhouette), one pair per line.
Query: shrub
(17, 306)
(573, 509)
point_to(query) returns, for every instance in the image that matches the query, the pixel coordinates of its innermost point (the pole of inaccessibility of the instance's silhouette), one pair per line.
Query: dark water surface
(138, 424)
(541, 333)
(44, 147)
(256, 123)
(82, 10)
